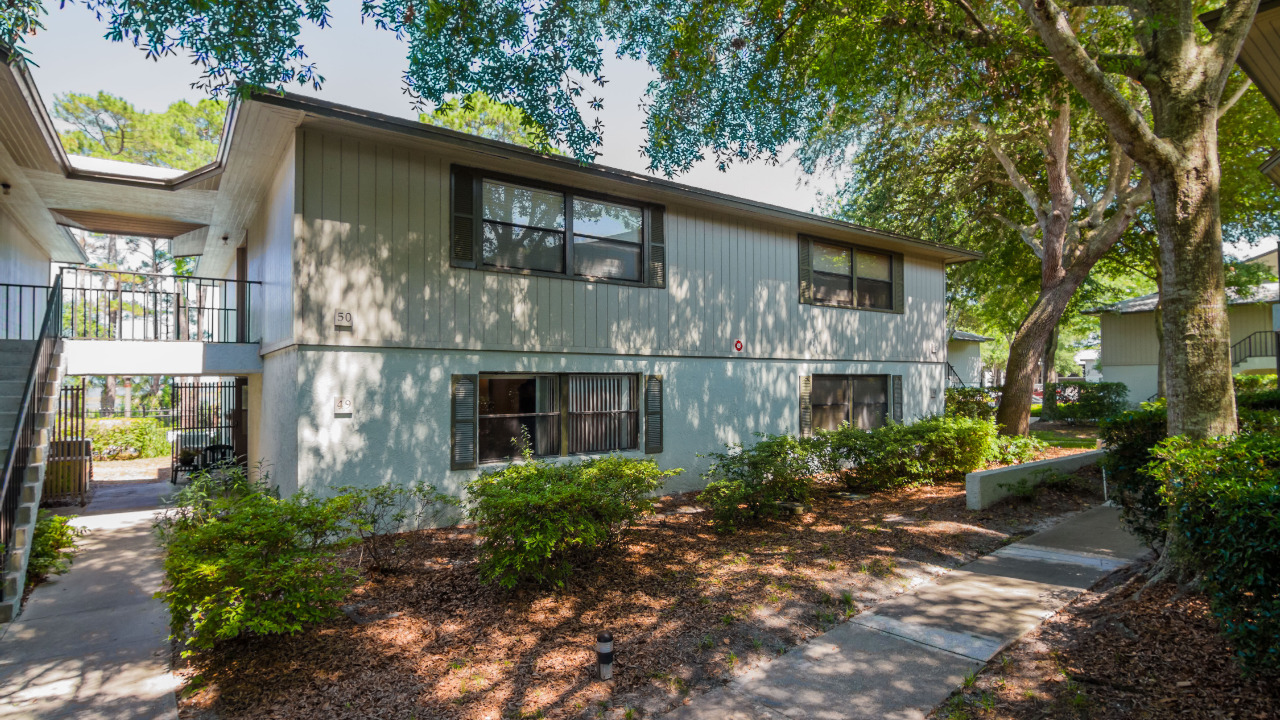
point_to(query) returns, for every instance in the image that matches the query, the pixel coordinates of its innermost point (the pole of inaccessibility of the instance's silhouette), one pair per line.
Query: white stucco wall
(399, 430)
(21, 260)
(966, 357)
(1141, 379)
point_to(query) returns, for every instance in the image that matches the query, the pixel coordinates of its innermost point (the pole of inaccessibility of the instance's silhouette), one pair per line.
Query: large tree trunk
(1028, 349)
(1197, 335)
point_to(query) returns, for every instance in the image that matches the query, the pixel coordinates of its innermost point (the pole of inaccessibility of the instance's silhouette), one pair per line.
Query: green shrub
(932, 449)
(125, 439)
(52, 545)
(745, 485)
(1130, 439)
(1036, 410)
(1258, 400)
(970, 402)
(1080, 400)
(1224, 496)
(379, 516)
(1015, 449)
(1254, 383)
(539, 519)
(241, 560)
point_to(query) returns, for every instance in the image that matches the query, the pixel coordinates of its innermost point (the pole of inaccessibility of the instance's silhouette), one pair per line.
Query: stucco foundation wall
(273, 440)
(983, 489)
(399, 430)
(966, 358)
(1142, 380)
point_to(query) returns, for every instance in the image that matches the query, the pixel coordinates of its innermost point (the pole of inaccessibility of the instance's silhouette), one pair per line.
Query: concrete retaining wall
(982, 488)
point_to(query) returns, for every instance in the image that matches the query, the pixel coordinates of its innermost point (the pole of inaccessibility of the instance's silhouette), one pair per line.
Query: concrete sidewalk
(92, 643)
(907, 655)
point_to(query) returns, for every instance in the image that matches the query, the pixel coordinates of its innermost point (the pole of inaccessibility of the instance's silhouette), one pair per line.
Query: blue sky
(362, 67)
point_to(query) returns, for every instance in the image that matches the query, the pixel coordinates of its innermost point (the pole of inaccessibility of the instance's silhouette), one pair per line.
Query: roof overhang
(1260, 60)
(553, 168)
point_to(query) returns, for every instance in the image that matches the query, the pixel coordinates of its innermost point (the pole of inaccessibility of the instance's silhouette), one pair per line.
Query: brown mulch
(1067, 430)
(1106, 656)
(141, 469)
(688, 608)
(1048, 453)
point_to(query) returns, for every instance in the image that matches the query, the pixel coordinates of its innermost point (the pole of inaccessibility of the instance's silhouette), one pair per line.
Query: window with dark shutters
(806, 405)
(841, 275)
(657, 249)
(463, 454)
(897, 398)
(653, 414)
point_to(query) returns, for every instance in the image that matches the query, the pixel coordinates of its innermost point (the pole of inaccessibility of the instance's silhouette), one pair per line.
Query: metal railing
(121, 305)
(23, 439)
(70, 465)
(1259, 344)
(953, 377)
(21, 310)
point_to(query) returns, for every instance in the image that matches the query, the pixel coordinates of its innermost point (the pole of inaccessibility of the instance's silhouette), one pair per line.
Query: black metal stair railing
(1259, 344)
(25, 429)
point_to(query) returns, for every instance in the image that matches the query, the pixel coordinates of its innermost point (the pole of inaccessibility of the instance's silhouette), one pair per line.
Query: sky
(72, 56)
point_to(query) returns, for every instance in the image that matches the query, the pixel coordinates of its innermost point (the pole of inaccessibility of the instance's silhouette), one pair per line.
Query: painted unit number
(342, 318)
(343, 406)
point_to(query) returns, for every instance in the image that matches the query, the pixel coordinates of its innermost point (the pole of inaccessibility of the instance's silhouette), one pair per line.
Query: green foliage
(1130, 438)
(1014, 449)
(184, 137)
(239, 559)
(537, 520)
(479, 114)
(125, 439)
(1079, 400)
(933, 449)
(970, 402)
(1254, 383)
(745, 485)
(1224, 500)
(1259, 400)
(52, 545)
(379, 515)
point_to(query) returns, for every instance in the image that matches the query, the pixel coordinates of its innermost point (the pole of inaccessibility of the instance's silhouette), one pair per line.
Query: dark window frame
(895, 263)
(562, 411)
(479, 175)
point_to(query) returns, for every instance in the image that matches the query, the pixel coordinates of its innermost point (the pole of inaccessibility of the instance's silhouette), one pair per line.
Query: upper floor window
(528, 227)
(845, 276)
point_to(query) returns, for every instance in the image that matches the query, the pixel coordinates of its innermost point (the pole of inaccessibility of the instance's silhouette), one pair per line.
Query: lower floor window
(859, 400)
(556, 414)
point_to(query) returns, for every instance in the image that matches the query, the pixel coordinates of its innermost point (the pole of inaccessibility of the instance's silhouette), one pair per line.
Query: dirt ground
(1107, 657)
(142, 469)
(688, 608)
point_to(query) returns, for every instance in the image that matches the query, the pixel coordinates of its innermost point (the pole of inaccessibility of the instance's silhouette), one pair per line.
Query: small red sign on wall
(737, 346)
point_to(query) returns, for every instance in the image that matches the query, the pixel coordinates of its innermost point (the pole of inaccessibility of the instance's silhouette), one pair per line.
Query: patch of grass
(706, 643)
(1055, 439)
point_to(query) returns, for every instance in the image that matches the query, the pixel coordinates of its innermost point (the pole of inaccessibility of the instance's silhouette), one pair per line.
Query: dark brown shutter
(464, 454)
(465, 204)
(653, 413)
(897, 398)
(806, 405)
(657, 248)
(806, 270)
(899, 289)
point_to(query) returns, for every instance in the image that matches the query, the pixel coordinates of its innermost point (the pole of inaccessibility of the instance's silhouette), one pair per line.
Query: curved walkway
(91, 644)
(907, 655)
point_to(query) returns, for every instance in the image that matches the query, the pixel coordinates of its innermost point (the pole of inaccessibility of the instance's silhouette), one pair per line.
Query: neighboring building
(1130, 346)
(964, 358)
(403, 301)
(1087, 360)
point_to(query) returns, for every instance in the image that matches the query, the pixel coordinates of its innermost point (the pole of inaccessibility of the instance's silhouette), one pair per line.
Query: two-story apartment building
(417, 300)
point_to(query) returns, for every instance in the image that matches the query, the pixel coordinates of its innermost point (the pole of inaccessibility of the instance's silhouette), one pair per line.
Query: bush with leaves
(239, 559)
(745, 484)
(1015, 449)
(1224, 501)
(537, 519)
(935, 449)
(970, 402)
(1083, 401)
(380, 515)
(1254, 383)
(1258, 400)
(1130, 439)
(52, 545)
(126, 439)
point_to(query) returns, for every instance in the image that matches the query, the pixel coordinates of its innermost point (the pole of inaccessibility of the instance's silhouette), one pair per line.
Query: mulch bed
(1106, 656)
(687, 608)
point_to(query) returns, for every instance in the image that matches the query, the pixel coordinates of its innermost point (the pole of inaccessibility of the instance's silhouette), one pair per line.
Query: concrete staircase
(15, 363)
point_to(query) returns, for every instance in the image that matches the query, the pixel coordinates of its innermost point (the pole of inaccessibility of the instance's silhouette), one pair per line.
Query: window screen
(523, 227)
(511, 406)
(860, 400)
(603, 413)
(875, 281)
(607, 239)
(832, 274)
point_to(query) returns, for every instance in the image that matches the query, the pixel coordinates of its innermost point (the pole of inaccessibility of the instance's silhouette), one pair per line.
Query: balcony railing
(120, 305)
(22, 310)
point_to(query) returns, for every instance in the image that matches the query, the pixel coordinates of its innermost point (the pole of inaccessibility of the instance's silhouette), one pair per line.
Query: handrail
(952, 375)
(19, 304)
(116, 271)
(1259, 344)
(24, 426)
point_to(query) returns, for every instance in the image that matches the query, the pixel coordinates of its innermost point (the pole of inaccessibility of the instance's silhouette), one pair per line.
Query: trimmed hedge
(537, 520)
(970, 402)
(1080, 400)
(932, 449)
(1224, 501)
(745, 485)
(1254, 383)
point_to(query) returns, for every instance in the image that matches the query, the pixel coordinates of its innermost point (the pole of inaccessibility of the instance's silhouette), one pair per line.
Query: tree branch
(1235, 98)
(1011, 169)
(1124, 121)
(1026, 232)
(968, 11)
